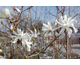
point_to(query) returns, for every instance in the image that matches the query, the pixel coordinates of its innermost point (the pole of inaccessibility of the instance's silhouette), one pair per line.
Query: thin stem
(21, 51)
(49, 45)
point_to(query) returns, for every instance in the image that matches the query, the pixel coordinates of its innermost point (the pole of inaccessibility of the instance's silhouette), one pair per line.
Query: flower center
(66, 25)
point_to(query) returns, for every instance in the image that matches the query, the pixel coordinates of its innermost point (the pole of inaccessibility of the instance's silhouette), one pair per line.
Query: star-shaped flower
(34, 34)
(66, 24)
(49, 27)
(24, 37)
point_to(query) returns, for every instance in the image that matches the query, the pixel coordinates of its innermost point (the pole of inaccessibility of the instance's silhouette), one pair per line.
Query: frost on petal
(69, 32)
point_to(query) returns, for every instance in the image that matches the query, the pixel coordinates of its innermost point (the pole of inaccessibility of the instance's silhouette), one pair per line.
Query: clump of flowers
(66, 24)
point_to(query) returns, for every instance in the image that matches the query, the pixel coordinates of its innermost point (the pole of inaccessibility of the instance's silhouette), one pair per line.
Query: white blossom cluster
(64, 23)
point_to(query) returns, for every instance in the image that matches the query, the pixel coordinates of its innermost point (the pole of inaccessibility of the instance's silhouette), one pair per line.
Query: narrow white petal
(57, 28)
(15, 40)
(29, 42)
(31, 31)
(18, 10)
(61, 31)
(62, 35)
(45, 30)
(14, 33)
(61, 19)
(11, 36)
(18, 30)
(69, 32)
(69, 19)
(65, 17)
(75, 30)
(23, 43)
(74, 21)
(56, 34)
(28, 46)
(49, 24)
(58, 22)
(45, 25)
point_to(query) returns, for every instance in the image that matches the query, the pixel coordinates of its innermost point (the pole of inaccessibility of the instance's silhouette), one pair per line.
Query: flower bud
(4, 13)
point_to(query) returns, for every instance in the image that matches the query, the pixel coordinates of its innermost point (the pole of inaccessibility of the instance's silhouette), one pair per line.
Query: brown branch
(50, 13)
(27, 8)
(43, 47)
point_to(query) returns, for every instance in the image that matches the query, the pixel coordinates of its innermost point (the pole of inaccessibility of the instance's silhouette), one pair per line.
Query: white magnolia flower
(34, 34)
(26, 40)
(4, 13)
(66, 24)
(19, 35)
(25, 37)
(49, 27)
